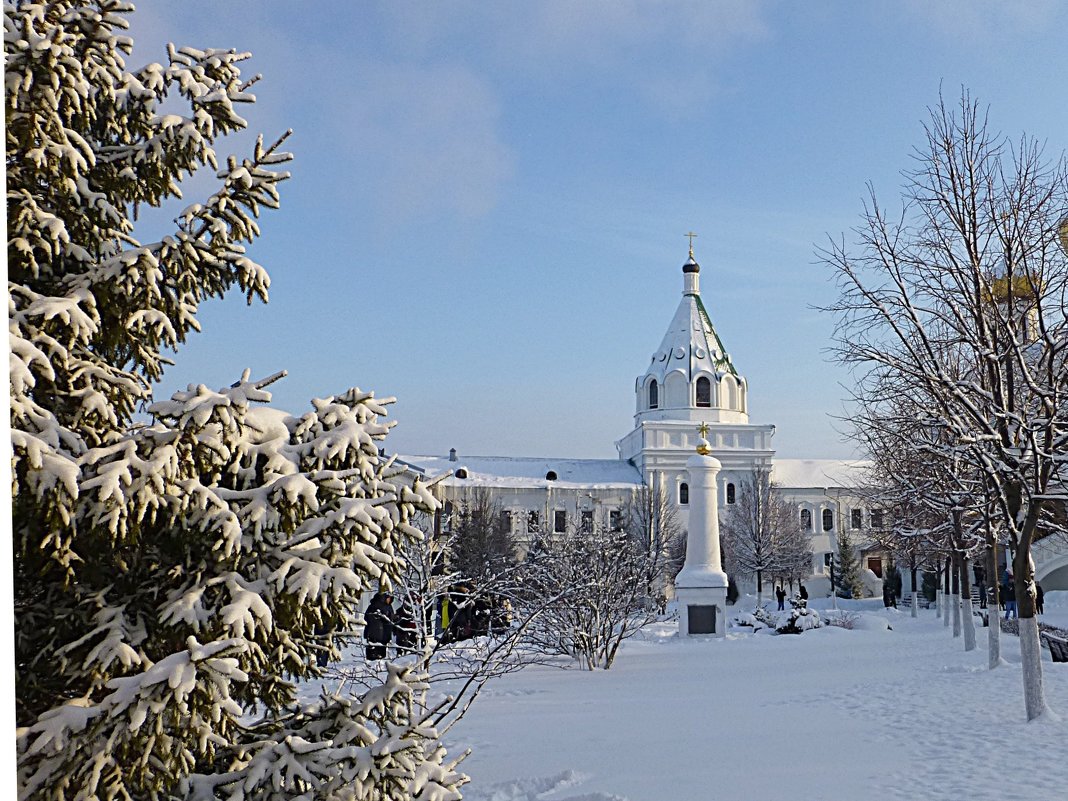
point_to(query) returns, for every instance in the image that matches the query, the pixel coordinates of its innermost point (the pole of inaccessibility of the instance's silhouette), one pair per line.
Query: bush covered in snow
(841, 618)
(797, 619)
(759, 618)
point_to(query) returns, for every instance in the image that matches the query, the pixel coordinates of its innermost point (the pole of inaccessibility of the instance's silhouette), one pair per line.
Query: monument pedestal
(702, 610)
(701, 586)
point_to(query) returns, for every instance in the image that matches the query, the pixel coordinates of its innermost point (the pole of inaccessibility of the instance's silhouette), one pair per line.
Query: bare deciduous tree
(762, 535)
(971, 266)
(651, 522)
(597, 583)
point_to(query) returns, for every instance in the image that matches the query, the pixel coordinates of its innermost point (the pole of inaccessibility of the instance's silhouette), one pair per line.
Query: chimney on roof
(452, 454)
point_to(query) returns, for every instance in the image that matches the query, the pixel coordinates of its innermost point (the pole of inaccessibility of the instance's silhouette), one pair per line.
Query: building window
(560, 521)
(615, 520)
(587, 521)
(704, 392)
(506, 521)
(730, 493)
(855, 518)
(828, 519)
(877, 518)
(446, 517)
(654, 394)
(532, 521)
(684, 493)
(806, 520)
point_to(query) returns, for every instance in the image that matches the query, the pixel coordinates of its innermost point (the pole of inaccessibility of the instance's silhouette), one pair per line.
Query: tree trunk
(955, 591)
(968, 619)
(946, 593)
(993, 603)
(1030, 644)
(915, 593)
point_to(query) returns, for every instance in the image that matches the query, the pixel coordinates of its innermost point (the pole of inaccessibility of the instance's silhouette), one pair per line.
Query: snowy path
(830, 714)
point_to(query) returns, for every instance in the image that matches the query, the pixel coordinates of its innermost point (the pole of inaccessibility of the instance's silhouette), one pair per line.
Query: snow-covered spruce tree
(171, 577)
(848, 567)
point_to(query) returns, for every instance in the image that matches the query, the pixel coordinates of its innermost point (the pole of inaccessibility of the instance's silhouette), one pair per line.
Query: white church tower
(691, 380)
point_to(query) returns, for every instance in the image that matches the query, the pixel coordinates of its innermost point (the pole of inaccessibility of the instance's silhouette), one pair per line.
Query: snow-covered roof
(526, 472)
(808, 473)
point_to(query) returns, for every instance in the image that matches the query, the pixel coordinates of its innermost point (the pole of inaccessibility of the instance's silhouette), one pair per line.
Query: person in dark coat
(802, 592)
(780, 595)
(1010, 600)
(404, 628)
(378, 630)
(1039, 596)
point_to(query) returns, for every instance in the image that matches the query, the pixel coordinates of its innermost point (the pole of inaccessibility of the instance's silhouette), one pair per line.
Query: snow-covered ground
(828, 714)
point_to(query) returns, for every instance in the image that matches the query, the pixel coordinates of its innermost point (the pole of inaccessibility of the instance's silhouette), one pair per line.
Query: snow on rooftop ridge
(809, 473)
(520, 471)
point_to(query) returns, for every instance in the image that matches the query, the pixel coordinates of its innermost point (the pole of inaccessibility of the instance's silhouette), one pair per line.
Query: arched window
(806, 520)
(654, 394)
(704, 392)
(684, 493)
(828, 519)
(730, 493)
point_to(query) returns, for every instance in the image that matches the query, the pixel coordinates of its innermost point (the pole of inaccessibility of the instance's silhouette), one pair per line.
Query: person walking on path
(1010, 600)
(802, 592)
(780, 595)
(378, 630)
(1039, 596)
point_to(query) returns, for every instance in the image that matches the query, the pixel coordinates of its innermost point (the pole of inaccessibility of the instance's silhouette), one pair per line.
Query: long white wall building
(690, 380)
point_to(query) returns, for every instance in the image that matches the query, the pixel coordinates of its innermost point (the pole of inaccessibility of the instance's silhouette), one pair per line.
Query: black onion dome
(691, 266)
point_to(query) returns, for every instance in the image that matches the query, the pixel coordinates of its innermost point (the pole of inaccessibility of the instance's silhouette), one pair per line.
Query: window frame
(707, 404)
(559, 521)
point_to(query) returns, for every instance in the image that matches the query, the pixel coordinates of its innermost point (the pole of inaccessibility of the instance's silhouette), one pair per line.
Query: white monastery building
(690, 380)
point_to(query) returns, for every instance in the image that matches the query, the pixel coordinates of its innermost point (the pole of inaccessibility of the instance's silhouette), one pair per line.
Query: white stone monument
(701, 586)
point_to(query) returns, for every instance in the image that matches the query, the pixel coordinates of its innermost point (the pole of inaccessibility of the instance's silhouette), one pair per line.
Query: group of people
(460, 615)
(1008, 597)
(384, 624)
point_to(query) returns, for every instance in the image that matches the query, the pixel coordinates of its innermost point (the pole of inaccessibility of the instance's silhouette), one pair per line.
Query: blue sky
(488, 201)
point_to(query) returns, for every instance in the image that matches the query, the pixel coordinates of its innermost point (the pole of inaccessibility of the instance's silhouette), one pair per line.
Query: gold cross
(691, 235)
(703, 430)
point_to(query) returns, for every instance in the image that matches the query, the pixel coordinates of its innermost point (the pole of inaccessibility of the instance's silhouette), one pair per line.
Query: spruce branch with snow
(175, 578)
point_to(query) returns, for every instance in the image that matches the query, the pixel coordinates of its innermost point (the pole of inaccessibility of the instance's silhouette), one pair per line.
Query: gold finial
(703, 447)
(691, 235)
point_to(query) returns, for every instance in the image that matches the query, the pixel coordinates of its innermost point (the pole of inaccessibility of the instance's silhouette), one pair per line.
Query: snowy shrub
(759, 618)
(841, 618)
(175, 578)
(798, 619)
